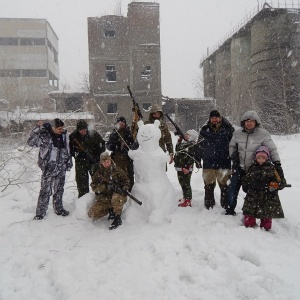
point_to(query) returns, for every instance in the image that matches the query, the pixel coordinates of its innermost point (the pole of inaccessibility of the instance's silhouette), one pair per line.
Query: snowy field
(195, 254)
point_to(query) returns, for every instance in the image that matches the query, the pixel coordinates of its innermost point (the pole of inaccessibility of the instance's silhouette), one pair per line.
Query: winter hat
(81, 124)
(193, 134)
(121, 119)
(57, 123)
(104, 156)
(262, 150)
(214, 113)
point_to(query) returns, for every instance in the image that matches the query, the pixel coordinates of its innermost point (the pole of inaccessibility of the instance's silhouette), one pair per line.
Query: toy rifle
(178, 131)
(119, 189)
(137, 115)
(89, 155)
(275, 185)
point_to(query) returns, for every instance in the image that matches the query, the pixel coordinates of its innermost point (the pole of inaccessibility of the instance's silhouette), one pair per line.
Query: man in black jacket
(217, 134)
(86, 146)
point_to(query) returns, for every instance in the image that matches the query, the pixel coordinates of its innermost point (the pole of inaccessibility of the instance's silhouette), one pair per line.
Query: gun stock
(89, 155)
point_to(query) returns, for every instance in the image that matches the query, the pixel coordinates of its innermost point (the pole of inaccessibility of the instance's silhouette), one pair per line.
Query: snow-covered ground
(195, 254)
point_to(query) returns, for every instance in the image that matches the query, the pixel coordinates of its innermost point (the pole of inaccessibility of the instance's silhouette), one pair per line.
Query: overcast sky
(188, 28)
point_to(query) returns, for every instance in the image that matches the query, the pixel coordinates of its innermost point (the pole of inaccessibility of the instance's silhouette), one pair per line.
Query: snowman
(151, 185)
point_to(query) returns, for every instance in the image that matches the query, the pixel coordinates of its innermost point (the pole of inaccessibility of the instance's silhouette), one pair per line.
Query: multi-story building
(28, 61)
(125, 51)
(257, 67)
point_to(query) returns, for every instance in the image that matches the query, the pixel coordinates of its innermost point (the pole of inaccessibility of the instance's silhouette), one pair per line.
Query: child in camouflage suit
(184, 161)
(261, 201)
(109, 199)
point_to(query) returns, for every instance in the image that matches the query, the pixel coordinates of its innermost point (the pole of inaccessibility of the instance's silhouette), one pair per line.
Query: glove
(279, 170)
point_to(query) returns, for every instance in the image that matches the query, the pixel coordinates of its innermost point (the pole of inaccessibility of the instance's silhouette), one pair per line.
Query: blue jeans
(234, 188)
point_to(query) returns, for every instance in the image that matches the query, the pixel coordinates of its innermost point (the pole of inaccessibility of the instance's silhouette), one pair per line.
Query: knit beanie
(214, 113)
(262, 151)
(193, 134)
(121, 119)
(57, 123)
(81, 124)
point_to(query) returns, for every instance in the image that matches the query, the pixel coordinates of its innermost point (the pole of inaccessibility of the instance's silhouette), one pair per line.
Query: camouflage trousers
(185, 182)
(52, 182)
(103, 203)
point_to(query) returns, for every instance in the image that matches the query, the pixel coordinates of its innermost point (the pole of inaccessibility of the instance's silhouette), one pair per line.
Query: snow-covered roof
(36, 116)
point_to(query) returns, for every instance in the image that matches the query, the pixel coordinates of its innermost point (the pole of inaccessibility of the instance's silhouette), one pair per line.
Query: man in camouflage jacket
(165, 141)
(86, 145)
(109, 198)
(54, 160)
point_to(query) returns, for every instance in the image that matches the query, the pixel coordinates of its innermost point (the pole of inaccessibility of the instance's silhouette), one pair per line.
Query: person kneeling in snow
(109, 198)
(184, 161)
(262, 200)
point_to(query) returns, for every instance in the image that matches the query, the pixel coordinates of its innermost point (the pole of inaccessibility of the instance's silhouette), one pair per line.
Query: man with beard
(217, 134)
(165, 141)
(119, 143)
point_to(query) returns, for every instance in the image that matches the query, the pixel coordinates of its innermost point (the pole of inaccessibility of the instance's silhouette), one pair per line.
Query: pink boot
(186, 203)
(249, 221)
(266, 223)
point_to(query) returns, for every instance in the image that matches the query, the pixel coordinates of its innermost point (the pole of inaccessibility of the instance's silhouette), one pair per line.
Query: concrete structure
(257, 67)
(28, 61)
(125, 51)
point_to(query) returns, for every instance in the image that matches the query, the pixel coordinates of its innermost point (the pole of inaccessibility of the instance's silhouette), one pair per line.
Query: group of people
(246, 157)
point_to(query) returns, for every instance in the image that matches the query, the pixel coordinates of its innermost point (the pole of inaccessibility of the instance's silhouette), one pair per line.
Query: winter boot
(223, 200)
(230, 212)
(63, 213)
(38, 217)
(249, 221)
(209, 198)
(111, 214)
(266, 223)
(185, 203)
(116, 223)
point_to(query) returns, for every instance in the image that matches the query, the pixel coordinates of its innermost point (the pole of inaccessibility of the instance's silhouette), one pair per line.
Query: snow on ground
(196, 254)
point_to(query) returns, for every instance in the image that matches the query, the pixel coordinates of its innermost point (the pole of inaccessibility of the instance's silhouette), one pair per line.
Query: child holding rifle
(184, 162)
(262, 200)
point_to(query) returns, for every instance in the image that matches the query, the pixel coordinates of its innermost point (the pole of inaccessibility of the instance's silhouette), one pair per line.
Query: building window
(110, 33)
(111, 74)
(112, 108)
(146, 72)
(32, 42)
(34, 73)
(8, 41)
(10, 73)
(146, 106)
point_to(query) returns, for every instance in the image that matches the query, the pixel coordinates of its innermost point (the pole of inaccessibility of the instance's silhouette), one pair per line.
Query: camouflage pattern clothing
(54, 160)
(116, 144)
(184, 159)
(165, 141)
(86, 156)
(106, 196)
(259, 201)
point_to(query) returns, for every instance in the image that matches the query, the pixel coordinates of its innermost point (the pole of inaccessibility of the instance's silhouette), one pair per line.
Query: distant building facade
(125, 51)
(257, 67)
(29, 67)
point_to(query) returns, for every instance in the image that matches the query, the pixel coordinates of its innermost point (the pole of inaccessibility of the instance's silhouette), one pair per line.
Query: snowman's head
(148, 135)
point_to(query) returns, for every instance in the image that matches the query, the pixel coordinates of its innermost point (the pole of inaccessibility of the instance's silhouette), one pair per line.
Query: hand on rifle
(185, 171)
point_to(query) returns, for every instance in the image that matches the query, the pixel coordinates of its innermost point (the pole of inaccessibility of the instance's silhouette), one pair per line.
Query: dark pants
(82, 175)
(185, 182)
(234, 188)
